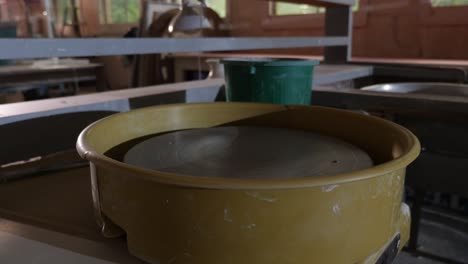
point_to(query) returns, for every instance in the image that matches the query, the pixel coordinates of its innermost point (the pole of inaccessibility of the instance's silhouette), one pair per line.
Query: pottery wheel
(247, 152)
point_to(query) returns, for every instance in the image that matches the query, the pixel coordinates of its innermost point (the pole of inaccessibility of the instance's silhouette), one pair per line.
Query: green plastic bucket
(266, 80)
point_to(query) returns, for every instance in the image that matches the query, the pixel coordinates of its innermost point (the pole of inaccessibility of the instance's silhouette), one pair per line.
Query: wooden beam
(339, 22)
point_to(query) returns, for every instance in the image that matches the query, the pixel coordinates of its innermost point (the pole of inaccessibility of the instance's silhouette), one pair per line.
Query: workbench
(64, 230)
(24, 76)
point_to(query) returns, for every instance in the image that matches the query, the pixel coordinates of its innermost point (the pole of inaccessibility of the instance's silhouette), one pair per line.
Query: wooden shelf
(47, 48)
(119, 100)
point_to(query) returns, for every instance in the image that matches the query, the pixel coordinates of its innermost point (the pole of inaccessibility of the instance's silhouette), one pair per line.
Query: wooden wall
(20, 11)
(383, 28)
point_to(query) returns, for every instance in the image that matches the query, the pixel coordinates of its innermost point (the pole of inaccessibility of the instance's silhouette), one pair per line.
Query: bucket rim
(251, 61)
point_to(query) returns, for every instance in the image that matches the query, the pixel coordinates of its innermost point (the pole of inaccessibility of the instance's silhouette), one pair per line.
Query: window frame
(314, 21)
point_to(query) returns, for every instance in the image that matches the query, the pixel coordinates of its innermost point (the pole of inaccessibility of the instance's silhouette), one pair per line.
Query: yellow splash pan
(346, 218)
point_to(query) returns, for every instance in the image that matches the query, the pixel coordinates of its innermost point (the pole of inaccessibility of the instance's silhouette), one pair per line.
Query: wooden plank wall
(383, 28)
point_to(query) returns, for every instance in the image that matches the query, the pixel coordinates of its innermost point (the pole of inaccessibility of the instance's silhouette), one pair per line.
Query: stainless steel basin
(445, 89)
(443, 163)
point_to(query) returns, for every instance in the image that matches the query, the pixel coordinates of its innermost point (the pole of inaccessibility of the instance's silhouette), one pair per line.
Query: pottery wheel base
(248, 152)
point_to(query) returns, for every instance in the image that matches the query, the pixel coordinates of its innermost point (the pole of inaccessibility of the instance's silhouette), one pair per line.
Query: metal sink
(443, 164)
(445, 89)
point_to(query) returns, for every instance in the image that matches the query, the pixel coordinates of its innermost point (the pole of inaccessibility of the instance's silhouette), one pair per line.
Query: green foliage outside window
(220, 6)
(128, 11)
(65, 12)
(282, 9)
(438, 3)
(123, 11)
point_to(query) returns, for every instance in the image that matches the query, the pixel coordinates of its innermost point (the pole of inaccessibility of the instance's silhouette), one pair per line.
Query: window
(220, 6)
(119, 11)
(65, 11)
(128, 11)
(284, 9)
(438, 3)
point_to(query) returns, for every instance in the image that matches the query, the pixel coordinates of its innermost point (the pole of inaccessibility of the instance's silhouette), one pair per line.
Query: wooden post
(338, 22)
